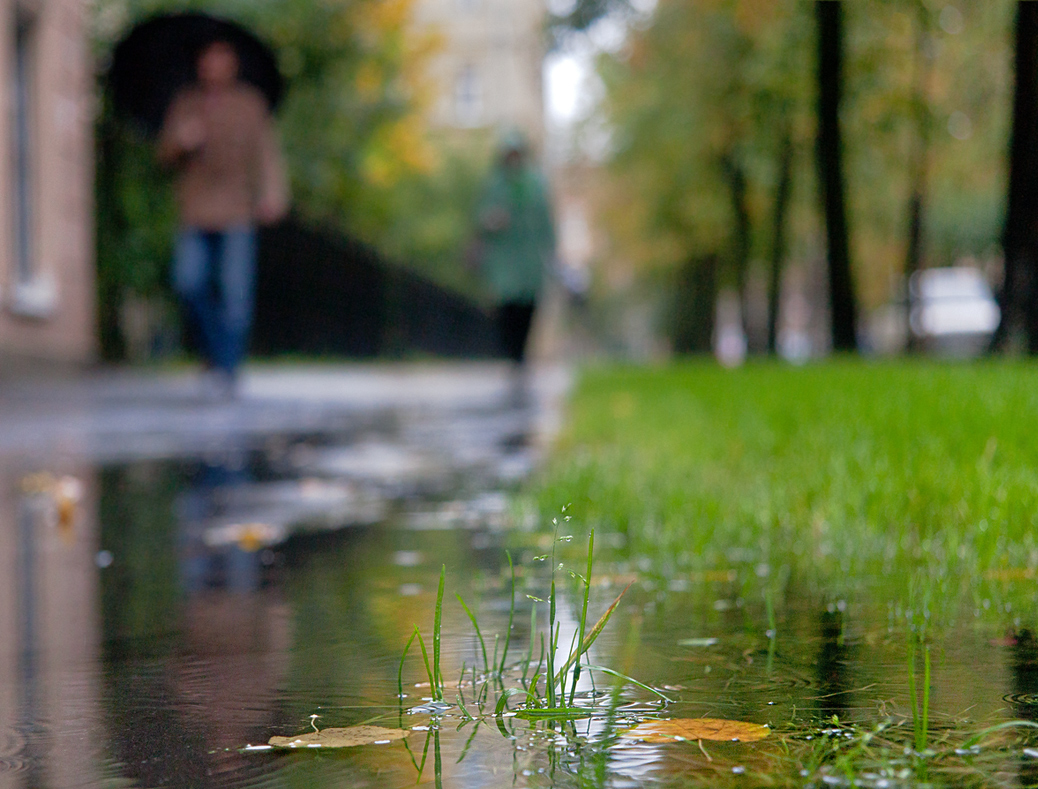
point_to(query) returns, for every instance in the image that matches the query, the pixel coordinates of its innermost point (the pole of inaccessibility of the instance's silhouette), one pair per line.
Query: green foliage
(353, 131)
(702, 87)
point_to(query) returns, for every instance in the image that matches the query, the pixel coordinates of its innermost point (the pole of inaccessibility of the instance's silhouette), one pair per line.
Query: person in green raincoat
(516, 241)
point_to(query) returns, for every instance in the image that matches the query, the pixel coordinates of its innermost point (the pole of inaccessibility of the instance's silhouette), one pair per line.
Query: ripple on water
(1025, 699)
(786, 678)
(12, 751)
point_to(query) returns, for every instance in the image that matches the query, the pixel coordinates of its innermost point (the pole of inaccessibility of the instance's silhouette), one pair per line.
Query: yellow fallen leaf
(678, 729)
(347, 737)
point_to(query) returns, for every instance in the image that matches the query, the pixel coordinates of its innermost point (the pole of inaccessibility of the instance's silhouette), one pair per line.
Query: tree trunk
(843, 310)
(918, 163)
(696, 297)
(778, 238)
(1017, 296)
(740, 230)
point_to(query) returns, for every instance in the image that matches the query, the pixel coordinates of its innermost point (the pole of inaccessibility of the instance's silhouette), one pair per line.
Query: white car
(952, 310)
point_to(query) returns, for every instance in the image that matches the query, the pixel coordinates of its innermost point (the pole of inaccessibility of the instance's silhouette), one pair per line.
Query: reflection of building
(46, 260)
(488, 72)
(49, 637)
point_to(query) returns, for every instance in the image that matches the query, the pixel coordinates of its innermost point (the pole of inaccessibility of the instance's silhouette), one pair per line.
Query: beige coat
(224, 148)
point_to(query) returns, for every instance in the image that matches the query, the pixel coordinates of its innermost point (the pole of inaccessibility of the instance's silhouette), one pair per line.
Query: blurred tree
(701, 97)
(708, 110)
(842, 304)
(920, 111)
(1020, 241)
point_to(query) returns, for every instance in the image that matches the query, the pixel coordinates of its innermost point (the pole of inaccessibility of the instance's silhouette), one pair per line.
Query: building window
(468, 97)
(24, 89)
(33, 294)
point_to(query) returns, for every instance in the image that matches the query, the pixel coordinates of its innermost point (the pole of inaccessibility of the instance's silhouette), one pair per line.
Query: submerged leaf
(340, 738)
(697, 729)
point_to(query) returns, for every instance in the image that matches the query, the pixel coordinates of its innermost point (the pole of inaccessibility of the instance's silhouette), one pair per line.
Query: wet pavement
(119, 415)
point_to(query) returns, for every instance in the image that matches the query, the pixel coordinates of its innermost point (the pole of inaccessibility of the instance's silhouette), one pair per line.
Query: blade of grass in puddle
(551, 641)
(438, 763)
(550, 678)
(551, 618)
(468, 743)
(479, 635)
(926, 695)
(533, 629)
(511, 616)
(437, 681)
(502, 700)
(594, 633)
(632, 680)
(1017, 724)
(919, 738)
(420, 768)
(400, 671)
(425, 658)
(583, 614)
(540, 662)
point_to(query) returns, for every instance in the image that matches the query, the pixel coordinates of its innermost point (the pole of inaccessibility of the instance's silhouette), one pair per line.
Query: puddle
(161, 627)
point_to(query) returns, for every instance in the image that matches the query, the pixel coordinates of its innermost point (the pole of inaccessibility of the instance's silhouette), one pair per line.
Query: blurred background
(733, 176)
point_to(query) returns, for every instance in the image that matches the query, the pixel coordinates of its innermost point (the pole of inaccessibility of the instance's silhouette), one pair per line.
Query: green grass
(919, 476)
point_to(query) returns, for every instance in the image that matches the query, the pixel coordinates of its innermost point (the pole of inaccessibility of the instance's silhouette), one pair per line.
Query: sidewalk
(125, 414)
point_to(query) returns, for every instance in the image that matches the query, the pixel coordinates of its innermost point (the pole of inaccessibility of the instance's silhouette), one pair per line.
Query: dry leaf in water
(340, 738)
(697, 729)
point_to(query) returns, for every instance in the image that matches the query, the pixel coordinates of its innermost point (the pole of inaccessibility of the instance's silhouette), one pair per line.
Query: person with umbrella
(218, 136)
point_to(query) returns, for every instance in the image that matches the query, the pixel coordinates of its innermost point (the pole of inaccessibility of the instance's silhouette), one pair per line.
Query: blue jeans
(214, 275)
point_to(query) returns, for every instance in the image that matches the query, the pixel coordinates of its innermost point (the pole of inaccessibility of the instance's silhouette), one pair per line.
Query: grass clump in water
(558, 700)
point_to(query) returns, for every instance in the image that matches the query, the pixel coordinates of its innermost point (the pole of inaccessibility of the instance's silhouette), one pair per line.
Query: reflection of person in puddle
(219, 137)
(517, 245)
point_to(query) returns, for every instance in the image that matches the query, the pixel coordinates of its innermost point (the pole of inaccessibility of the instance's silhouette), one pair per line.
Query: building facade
(488, 71)
(46, 167)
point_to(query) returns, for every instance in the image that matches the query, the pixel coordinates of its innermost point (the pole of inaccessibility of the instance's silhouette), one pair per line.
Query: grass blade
(511, 616)
(425, 657)
(589, 639)
(502, 700)
(468, 743)
(400, 671)
(533, 630)
(1018, 724)
(632, 680)
(479, 635)
(437, 681)
(583, 614)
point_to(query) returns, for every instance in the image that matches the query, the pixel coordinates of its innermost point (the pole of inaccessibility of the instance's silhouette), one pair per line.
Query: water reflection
(1024, 665)
(188, 608)
(834, 678)
(49, 645)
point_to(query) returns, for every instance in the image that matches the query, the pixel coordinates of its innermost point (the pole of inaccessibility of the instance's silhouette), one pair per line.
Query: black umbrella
(159, 56)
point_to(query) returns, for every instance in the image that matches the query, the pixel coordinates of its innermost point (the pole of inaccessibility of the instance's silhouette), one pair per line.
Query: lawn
(823, 534)
(909, 482)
